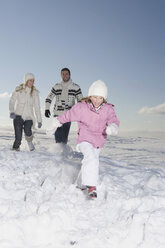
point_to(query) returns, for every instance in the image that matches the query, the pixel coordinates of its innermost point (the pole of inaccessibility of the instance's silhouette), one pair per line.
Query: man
(66, 93)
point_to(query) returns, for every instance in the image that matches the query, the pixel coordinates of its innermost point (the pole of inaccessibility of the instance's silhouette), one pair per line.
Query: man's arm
(78, 94)
(48, 102)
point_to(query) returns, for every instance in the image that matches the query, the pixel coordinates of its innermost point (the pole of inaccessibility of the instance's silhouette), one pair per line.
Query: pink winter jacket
(91, 123)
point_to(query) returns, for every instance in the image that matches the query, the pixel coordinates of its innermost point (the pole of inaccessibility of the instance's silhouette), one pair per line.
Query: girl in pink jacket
(96, 118)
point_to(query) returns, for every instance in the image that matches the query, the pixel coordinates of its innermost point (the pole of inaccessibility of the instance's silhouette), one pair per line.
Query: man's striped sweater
(66, 95)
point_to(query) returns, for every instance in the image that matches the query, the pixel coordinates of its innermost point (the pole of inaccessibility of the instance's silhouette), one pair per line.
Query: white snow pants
(90, 164)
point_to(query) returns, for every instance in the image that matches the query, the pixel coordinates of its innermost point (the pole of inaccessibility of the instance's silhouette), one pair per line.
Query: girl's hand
(54, 126)
(112, 129)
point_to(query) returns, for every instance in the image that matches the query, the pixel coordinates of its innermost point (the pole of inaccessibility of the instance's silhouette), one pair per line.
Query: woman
(23, 103)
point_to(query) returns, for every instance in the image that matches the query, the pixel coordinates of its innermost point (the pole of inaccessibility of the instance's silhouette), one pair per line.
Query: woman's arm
(37, 108)
(12, 102)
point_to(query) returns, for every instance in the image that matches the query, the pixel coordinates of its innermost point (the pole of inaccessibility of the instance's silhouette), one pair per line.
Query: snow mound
(40, 206)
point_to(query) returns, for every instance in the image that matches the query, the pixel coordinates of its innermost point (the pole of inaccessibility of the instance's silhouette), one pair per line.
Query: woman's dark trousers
(19, 126)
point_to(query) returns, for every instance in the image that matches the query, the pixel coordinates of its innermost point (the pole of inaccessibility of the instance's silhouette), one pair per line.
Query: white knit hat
(98, 88)
(28, 76)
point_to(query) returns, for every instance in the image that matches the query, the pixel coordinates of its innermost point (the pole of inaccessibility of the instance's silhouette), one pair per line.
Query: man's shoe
(15, 149)
(83, 187)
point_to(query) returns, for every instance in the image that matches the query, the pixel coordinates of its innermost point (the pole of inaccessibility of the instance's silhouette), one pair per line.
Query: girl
(23, 100)
(96, 118)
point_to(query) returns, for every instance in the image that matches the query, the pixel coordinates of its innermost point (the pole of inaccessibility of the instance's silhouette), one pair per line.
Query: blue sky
(119, 42)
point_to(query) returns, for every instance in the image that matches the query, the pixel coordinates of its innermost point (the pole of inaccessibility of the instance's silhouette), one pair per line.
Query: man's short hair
(65, 69)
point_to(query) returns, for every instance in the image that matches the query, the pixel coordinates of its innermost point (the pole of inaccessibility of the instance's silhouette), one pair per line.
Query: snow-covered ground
(40, 207)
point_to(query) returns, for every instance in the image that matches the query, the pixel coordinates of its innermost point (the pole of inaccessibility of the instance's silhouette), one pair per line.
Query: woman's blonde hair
(32, 88)
(21, 88)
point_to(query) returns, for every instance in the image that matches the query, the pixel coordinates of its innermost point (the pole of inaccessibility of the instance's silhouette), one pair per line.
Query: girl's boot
(92, 191)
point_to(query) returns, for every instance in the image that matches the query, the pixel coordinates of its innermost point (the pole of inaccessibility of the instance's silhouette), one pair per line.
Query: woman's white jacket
(26, 105)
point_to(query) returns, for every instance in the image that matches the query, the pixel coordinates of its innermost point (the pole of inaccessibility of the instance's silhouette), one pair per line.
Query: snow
(40, 206)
